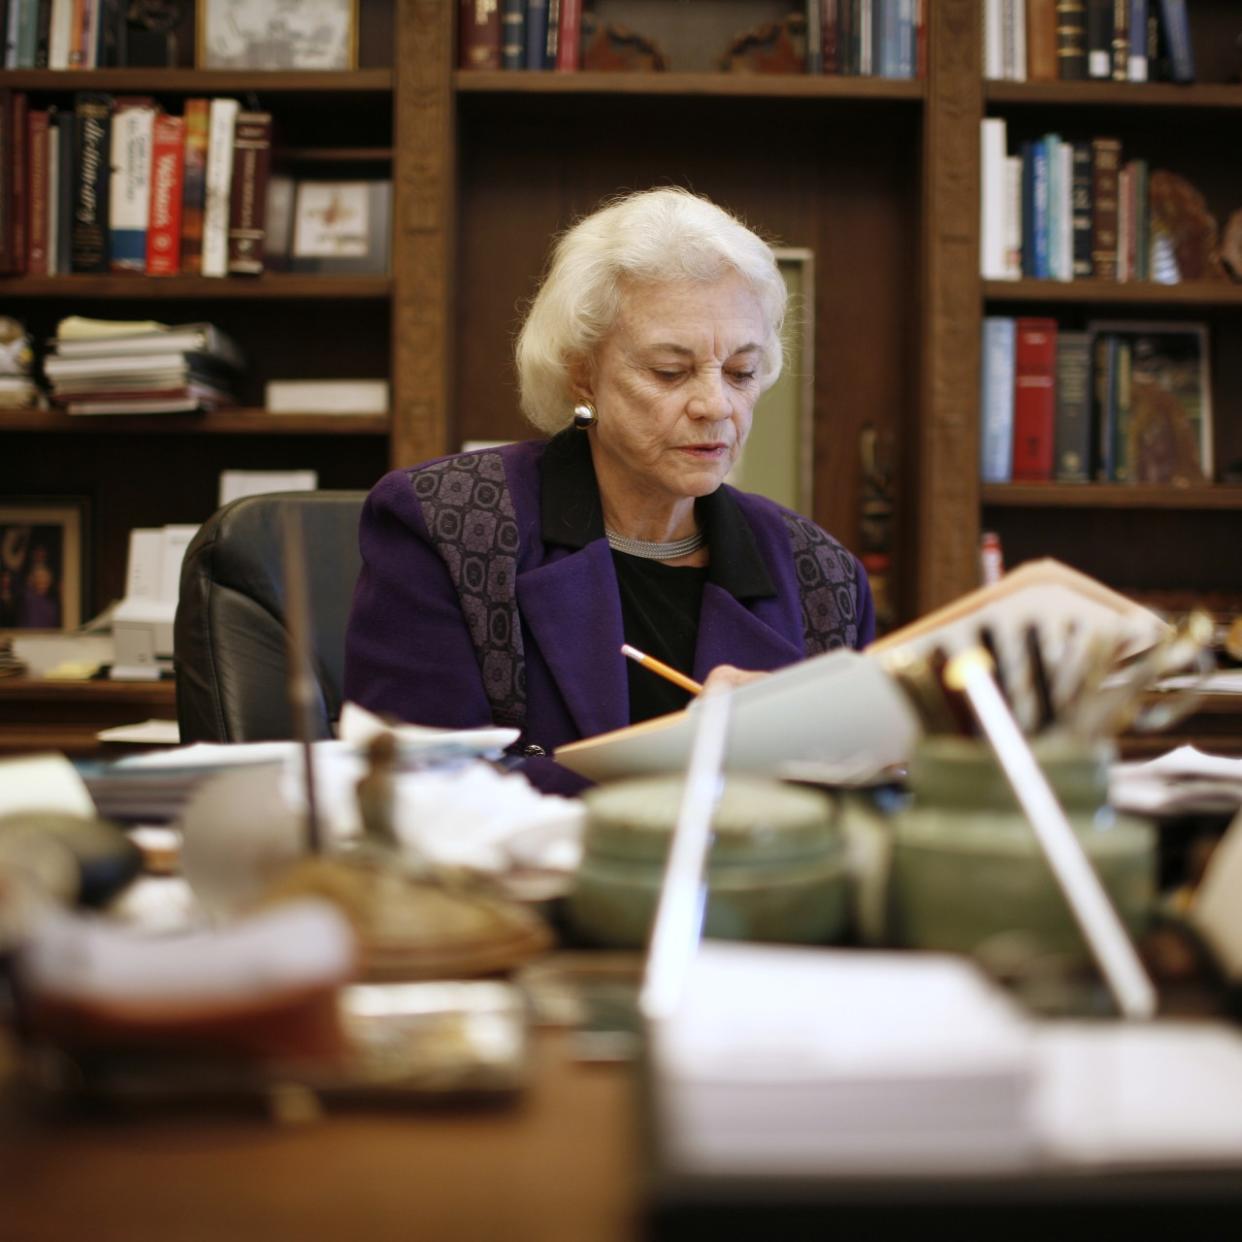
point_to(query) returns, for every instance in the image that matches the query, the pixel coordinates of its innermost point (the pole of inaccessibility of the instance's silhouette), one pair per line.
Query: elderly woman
(498, 586)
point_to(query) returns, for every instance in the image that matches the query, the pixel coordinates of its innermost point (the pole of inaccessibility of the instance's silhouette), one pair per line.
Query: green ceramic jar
(777, 869)
(966, 865)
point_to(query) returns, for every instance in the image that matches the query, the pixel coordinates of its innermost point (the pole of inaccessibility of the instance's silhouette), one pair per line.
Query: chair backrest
(229, 635)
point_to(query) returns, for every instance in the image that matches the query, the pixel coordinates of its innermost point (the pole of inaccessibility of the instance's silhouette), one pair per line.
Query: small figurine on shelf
(18, 389)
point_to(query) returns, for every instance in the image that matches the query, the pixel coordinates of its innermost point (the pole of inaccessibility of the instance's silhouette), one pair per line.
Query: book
(1072, 433)
(27, 32)
(513, 34)
(1013, 217)
(1041, 40)
(1104, 393)
(1175, 22)
(814, 36)
(66, 187)
(830, 35)
(479, 34)
(1099, 38)
(219, 183)
(54, 225)
(163, 256)
(37, 195)
(536, 35)
(997, 399)
(89, 229)
(133, 124)
(1136, 65)
(1081, 185)
(1071, 20)
(569, 38)
(150, 338)
(1121, 41)
(17, 154)
(341, 396)
(844, 703)
(159, 363)
(7, 259)
(182, 399)
(992, 216)
(1034, 404)
(194, 183)
(1040, 208)
(111, 43)
(252, 150)
(1106, 169)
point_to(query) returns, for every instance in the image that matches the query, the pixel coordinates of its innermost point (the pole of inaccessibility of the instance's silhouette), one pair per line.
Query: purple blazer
(488, 594)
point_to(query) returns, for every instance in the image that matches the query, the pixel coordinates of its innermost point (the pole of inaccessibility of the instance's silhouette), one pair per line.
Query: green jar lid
(755, 820)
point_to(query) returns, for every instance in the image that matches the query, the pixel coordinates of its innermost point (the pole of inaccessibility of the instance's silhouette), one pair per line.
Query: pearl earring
(585, 416)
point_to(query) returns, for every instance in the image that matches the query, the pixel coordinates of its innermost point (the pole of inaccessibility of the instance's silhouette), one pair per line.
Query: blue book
(996, 399)
(1176, 25)
(1137, 69)
(1040, 209)
(513, 34)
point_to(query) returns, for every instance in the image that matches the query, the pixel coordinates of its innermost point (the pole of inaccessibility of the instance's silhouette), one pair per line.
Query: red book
(1034, 399)
(37, 196)
(19, 182)
(164, 213)
(569, 40)
(194, 184)
(479, 34)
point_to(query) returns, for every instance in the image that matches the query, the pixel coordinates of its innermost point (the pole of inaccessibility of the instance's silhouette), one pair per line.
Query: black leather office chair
(229, 635)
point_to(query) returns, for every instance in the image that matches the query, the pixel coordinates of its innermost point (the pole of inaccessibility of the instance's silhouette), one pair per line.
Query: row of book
(1076, 210)
(1076, 40)
(140, 367)
(1120, 402)
(118, 185)
(64, 34)
(882, 38)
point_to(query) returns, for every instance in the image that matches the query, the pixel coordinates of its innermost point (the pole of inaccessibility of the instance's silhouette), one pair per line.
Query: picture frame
(282, 35)
(1152, 401)
(779, 458)
(43, 563)
(341, 226)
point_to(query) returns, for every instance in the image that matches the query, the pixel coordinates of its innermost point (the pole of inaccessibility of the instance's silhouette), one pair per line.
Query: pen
(660, 668)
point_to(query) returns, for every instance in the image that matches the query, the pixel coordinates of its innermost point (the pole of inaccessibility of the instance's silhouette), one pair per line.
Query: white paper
(43, 783)
(234, 484)
(148, 733)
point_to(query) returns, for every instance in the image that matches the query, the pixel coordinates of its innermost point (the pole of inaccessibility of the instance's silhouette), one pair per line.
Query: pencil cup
(776, 870)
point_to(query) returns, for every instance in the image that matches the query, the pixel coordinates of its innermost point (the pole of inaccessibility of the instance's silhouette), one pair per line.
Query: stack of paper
(790, 1061)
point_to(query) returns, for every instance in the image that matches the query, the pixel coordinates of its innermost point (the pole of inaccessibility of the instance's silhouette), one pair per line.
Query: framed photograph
(341, 226)
(43, 563)
(277, 34)
(779, 459)
(1152, 402)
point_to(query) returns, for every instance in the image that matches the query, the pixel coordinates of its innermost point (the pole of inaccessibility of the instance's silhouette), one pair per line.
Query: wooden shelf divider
(1111, 496)
(231, 421)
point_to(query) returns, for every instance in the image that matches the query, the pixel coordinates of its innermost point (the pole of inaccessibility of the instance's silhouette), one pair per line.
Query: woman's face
(675, 382)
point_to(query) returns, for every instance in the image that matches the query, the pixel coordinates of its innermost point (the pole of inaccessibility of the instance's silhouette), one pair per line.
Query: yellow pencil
(660, 668)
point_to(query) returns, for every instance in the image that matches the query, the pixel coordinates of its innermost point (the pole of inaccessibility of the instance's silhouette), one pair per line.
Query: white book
(992, 216)
(130, 186)
(221, 121)
(1013, 217)
(60, 30)
(197, 338)
(1018, 72)
(126, 363)
(345, 396)
(234, 484)
(993, 56)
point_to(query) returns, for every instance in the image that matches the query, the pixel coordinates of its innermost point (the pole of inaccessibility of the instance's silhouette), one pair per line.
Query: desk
(66, 715)
(559, 1166)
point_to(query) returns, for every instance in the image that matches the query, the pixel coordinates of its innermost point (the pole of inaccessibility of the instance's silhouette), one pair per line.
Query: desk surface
(559, 1166)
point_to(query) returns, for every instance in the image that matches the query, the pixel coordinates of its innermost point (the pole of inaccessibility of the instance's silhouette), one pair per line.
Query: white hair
(654, 236)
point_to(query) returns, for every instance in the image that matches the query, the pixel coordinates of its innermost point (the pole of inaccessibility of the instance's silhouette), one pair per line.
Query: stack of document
(787, 1061)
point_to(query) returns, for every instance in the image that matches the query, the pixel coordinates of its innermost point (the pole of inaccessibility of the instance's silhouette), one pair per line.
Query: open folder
(839, 707)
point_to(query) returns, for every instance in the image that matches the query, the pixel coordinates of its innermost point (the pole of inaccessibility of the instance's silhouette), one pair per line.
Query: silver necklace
(656, 551)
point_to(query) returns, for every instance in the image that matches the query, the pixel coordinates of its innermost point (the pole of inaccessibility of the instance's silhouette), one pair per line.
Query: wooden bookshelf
(231, 421)
(287, 286)
(723, 85)
(1109, 496)
(1189, 293)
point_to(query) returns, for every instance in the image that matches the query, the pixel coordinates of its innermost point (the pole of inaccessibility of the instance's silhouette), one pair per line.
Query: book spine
(66, 187)
(194, 184)
(1121, 471)
(1142, 222)
(1013, 217)
(43, 34)
(830, 35)
(1040, 209)
(479, 34)
(36, 142)
(866, 39)
(1136, 65)
(1176, 25)
(569, 44)
(77, 23)
(1125, 206)
(992, 181)
(1052, 151)
(814, 37)
(996, 423)
(513, 34)
(110, 39)
(252, 152)
(1041, 40)
(89, 228)
(536, 33)
(1081, 208)
(218, 186)
(53, 191)
(130, 187)
(1121, 41)
(1028, 208)
(1034, 405)
(19, 182)
(164, 211)
(27, 32)
(1105, 386)
(6, 178)
(1071, 40)
(849, 37)
(1106, 167)
(554, 34)
(1072, 437)
(60, 26)
(907, 39)
(8, 34)
(1065, 235)
(1100, 38)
